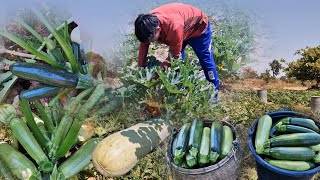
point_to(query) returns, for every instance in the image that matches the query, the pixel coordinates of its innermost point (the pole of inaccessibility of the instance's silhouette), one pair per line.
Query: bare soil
(255, 84)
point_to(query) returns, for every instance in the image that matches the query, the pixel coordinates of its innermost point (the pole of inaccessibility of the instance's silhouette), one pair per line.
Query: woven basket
(226, 169)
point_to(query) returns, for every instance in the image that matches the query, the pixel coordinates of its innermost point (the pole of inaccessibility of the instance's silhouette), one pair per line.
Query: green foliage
(178, 87)
(291, 98)
(233, 41)
(275, 66)
(307, 67)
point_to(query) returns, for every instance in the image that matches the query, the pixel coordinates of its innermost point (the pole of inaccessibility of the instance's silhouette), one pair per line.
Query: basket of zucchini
(204, 149)
(286, 144)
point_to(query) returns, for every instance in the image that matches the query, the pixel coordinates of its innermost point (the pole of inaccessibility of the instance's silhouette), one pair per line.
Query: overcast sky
(289, 24)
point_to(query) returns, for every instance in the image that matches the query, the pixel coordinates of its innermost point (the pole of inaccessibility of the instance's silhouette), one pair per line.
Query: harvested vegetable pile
(291, 143)
(197, 146)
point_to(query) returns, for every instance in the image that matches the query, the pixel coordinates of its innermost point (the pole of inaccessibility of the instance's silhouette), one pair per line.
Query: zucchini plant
(48, 139)
(179, 87)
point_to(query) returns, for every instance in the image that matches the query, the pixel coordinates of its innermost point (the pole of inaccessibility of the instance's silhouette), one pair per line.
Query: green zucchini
(70, 138)
(93, 99)
(293, 129)
(79, 160)
(43, 130)
(182, 142)
(184, 164)
(294, 139)
(292, 165)
(47, 122)
(273, 132)
(5, 172)
(204, 147)
(227, 141)
(7, 112)
(262, 133)
(19, 165)
(195, 137)
(70, 109)
(174, 146)
(67, 121)
(109, 108)
(215, 141)
(50, 75)
(290, 153)
(76, 125)
(191, 160)
(308, 123)
(60, 133)
(21, 131)
(33, 125)
(39, 92)
(315, 147)
(316, 158)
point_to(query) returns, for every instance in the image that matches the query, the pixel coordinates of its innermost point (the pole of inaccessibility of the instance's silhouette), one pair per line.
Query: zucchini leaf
(144, 77)
(6, 87)
(172, 80)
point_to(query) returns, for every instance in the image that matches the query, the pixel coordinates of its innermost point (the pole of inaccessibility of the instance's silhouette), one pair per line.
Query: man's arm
(143, 51)
(176, 42)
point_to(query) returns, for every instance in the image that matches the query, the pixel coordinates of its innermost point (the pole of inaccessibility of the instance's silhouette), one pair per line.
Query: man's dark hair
(145, 27)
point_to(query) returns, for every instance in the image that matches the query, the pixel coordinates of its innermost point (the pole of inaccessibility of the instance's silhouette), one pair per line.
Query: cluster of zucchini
(198, 146)
(52, 79)
(48, 141)
(291, 143)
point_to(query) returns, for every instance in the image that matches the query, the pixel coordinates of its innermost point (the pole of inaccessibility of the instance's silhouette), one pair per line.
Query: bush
(249, 73)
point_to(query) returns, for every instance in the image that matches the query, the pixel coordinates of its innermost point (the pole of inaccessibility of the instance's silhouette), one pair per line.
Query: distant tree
(307, 67)
(275, 66)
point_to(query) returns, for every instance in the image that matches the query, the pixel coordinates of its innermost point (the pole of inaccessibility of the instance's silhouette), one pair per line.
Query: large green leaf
(144, 77)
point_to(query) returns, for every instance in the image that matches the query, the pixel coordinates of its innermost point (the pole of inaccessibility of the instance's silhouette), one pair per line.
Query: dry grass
(261, 84)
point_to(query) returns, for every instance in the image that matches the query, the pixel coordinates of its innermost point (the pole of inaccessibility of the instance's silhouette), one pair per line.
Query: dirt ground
(255, 84)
